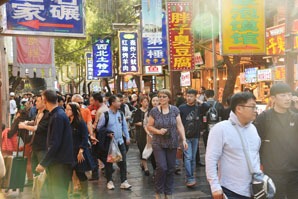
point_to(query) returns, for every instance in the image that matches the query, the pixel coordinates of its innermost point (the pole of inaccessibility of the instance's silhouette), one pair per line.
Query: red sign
(275, 40)
(180, 35)
(34, 50)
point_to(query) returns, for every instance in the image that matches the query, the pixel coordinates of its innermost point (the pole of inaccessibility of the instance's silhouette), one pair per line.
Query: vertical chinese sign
(275, 40)
(180, 36)
(243, 27)
(33, 54)
(154, 33)
(45, 17)
(102, 58)
(128, 52)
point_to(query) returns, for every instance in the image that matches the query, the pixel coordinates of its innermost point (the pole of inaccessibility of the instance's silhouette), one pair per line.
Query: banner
(250, 75)
(243, 27)
(275, 40)
(185, 79)
(279, 73)
(102, 58)
(265, 75)
(65, 18)
(128, 52)
(89, 67)
(198, 59)
(33, 54)
(154, 33)
(180, 36)
(153, 70)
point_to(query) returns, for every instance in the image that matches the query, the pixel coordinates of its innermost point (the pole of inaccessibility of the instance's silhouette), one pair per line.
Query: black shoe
(177, 171)
(147, 173)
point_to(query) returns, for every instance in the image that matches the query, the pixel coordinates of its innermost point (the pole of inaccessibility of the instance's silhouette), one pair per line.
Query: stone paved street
(142, 186)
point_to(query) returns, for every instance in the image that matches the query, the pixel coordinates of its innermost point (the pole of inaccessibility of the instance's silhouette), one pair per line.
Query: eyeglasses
(162, 96)
(255, 108)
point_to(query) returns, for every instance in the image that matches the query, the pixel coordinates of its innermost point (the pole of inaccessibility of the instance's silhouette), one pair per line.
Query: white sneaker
(110, 185)
(125, 185)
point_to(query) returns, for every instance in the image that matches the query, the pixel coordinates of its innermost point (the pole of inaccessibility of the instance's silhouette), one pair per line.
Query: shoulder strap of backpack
(214, 104)
(106, 114)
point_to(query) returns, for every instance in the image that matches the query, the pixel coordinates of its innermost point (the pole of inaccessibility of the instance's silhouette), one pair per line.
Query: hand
(163, 131)
(39, 168)
(217, 194)
(80, 157)
(22, 125)
(127, 142)
(185, 145)
(93, 140)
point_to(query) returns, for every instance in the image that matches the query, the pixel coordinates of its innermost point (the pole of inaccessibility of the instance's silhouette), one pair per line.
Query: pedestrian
(141, 135)
(191, 118)
(12, 107)
(154, 102)
(278, 128)
(81, 154)
(226, 165)
(117, 125)
(39, 127)
(59, 158)
(165, 124)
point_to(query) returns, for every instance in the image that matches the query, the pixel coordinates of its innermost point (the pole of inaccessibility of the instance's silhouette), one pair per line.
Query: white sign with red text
(185, 79)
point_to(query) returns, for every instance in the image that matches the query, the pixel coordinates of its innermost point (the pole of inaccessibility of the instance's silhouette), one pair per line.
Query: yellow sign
(243, 27)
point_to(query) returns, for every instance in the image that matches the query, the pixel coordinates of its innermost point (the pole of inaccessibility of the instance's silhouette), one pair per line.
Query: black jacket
(40, 139)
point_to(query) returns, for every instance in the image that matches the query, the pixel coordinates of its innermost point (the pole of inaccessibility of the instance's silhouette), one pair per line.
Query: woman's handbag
(262, 186)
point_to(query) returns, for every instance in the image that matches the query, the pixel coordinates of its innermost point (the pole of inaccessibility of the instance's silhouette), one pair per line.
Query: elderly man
(226, 165)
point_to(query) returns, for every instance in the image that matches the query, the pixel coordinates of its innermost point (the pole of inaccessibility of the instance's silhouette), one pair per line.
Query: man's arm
(125, 128)
(213, 153)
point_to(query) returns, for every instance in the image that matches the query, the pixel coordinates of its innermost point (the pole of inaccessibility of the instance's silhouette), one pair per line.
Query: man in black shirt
(190, 116)
(278, 129)
(59, 157)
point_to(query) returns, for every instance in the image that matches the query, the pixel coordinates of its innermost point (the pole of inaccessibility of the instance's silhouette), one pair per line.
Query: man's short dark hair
(50, 96)
(192, 91)
(60, 98)
(97, 97)
(209, 93)
(119, 95)
(112, 99)
(240, 98)
(280, 88)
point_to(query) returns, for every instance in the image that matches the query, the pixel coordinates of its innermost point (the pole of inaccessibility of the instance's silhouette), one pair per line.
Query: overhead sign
(64, 18)
(154, 33)
(243, 27)
(185, 79)
(198, 59)
(153, 70)
(180, 36)
(128, 52)
(102, 58)
(280, 73)
(275, 40)
(250, 75)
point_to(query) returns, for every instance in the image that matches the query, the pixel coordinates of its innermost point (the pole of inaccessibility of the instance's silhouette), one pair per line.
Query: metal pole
(214, 58)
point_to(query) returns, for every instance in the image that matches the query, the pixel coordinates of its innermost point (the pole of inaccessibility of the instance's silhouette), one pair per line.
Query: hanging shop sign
(275, 40)
(264, 75)
(89, 67)
(33, 54)
(279, 73)
(63, 18)
(250, 75)
(242, 27)
(180, 36)
(102, 58)
(153, 70)
(185, 79)
(128, 52)
(154, 33)
(198, 59)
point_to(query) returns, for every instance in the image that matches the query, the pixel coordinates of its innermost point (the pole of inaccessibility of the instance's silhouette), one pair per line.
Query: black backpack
(212, 114)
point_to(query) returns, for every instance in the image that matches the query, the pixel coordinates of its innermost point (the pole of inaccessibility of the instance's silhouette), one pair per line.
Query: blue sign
(155, 49)
(45, 17)
(128, 52)
(102, 58)
(89, 67)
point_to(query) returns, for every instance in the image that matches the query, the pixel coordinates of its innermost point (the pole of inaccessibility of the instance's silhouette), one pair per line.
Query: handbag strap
(244, 149)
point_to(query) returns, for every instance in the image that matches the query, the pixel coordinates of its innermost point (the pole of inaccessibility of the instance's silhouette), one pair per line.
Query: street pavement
(142, 186)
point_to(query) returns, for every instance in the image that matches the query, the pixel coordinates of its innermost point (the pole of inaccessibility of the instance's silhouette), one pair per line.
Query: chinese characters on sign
(128, 52)
(185, 79)
(154, 35)
(280, 73)
(250, 75)
(265, 75)
(45, 17)
(275, 40)
(89, 67)
(243, 27)
(180, 36)
(102, 58)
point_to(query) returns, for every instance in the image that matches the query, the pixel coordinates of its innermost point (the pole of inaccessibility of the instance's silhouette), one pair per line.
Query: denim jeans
(190, 158)
(122, 165)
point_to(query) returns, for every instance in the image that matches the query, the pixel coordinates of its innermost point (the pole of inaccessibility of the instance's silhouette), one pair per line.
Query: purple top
(167, 121)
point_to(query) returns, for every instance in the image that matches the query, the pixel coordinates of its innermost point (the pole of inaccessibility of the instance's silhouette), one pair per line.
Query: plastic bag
(38, 182)
(147, 151)
(114, 154)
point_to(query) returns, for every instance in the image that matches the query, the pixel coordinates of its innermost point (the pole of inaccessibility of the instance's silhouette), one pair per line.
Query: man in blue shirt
(59, 157)
(116, 124)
